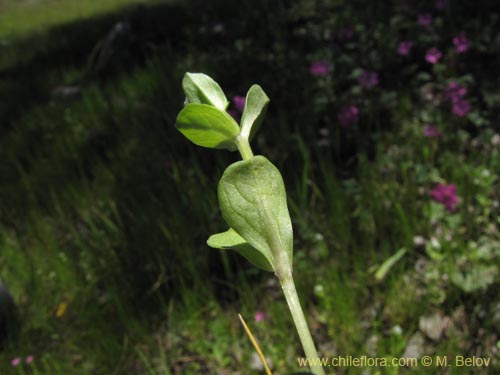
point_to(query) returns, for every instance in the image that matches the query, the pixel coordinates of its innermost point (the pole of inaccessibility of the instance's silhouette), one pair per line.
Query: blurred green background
(105, 208)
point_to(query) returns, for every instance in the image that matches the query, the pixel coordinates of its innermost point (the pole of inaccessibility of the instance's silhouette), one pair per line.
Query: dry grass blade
(255, 345)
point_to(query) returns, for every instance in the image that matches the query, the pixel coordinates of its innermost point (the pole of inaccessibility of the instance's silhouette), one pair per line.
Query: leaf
(200, 88)
(232, 240)
(382, 271)
(255, 110)
(476, 277)
(207, 126)
(252, 198)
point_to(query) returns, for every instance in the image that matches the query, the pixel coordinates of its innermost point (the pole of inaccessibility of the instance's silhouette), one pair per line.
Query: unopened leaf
(232, 240)
(255, 109)
(252, 198)
(207, 126)
(200, 88)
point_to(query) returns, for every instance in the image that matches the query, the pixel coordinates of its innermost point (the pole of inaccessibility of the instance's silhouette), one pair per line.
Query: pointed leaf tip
(255, 110)
(252, 198)
(200, 88)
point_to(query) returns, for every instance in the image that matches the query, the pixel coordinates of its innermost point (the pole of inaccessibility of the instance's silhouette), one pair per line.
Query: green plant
(251, 192)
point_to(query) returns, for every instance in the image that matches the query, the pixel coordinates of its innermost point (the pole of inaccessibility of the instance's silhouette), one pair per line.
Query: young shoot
(251, 192)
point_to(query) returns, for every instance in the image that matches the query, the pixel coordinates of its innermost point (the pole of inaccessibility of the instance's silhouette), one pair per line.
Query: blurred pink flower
(461, 43)
(454, 91)
(446, 195)
(320, 68)
(348, 115)
(368, 79)
(433, 55)
(29, 359)
(239, 102)
(425, 20)
(16, 361)
(260, 316)
(430, 131)
(404, 47)
(461, 107)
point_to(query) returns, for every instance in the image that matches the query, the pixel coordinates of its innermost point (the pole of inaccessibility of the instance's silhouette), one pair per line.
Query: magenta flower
(404, 48)
(320, 68)
(239, 102)
(461, 43)
(454, 91)
(440, 4)
(430, 131)
(433, 55)
(368, 79)
(29, 359)
(16, 361)
(446, 195)
(461, 107)
(260, 316)
(425, 20)
(348, 115)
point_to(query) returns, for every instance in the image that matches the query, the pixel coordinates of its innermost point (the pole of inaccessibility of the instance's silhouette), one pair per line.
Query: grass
(106, 208)
(20, 18)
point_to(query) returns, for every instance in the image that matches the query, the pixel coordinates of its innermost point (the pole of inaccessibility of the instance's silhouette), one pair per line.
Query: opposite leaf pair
(252, 199)
(251, 192)
(204, 120)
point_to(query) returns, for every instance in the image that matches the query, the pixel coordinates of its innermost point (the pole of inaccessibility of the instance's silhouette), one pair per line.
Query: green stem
(299, 319)
(244, 148)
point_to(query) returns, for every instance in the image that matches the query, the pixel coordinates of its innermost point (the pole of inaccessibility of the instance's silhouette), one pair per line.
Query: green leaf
(254, 112)
(232, 240)
(200, 88)
(207, 126)
(252, 198)
(475, 277)
(384, 269)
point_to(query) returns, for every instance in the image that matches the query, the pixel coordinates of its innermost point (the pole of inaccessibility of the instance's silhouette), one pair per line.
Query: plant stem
(244, 147)
(292, 299)
(288, 286)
